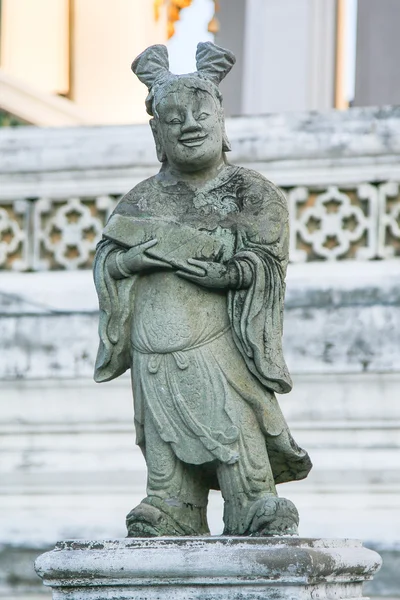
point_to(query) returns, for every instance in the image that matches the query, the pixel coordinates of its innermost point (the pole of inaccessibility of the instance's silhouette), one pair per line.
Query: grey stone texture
(191, 282)
(284, 568)
(353, 308)
(333, 147)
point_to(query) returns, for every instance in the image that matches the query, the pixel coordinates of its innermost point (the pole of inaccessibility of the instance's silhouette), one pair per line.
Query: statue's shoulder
(258, 190)
(138, 199)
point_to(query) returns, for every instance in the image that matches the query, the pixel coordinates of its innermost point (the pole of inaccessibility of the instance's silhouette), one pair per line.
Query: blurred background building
(67, 62)
(313, 106)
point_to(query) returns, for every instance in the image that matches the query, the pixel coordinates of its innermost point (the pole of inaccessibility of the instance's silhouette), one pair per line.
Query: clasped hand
(205, 273)
(208, 274)
(140, 258)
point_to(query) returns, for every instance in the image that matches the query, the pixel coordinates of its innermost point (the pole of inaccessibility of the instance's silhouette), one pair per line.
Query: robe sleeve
(116, 298)
(256, 312)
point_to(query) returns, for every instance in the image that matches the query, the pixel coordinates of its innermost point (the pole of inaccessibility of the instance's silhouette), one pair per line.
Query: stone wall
(340, 172)
(70, 467)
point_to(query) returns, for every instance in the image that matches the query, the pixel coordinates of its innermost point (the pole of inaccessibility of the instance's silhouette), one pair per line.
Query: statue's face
(190, 128)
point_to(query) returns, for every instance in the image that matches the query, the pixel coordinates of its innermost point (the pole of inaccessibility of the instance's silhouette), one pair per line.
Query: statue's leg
(251, 504)
(177, 493)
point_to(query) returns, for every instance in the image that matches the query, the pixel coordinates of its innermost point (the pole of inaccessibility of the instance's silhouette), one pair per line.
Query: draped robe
(194, 353)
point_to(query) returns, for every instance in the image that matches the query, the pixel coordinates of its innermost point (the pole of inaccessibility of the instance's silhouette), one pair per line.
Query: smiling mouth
(194, 141)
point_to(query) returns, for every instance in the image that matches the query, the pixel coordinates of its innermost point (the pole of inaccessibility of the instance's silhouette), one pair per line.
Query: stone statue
(190, 275)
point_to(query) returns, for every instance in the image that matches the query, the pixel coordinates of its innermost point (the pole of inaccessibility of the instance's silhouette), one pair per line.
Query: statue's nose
(190, 123)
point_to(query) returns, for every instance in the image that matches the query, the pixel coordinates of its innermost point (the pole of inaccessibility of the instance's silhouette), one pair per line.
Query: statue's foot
(153, 517)
(267, 516)
(272, 516)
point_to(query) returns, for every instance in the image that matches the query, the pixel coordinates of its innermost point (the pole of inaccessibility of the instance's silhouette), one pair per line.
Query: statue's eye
(203, 116)
(175, 121)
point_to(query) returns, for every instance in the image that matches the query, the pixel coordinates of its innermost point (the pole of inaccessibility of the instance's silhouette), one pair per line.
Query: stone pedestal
(216, 568)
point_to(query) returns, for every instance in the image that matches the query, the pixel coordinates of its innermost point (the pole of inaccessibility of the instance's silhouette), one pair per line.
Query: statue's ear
(162, 157)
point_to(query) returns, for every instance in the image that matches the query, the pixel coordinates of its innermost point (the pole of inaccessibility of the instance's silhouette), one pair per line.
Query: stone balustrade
(340, 171)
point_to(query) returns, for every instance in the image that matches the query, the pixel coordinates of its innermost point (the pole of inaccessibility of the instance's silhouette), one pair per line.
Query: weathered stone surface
(354, 310)
(280, 143)
(190, 276)
(208, 569)
(41, 184)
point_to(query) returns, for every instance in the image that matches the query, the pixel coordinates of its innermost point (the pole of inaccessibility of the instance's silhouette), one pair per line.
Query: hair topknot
(152, 68)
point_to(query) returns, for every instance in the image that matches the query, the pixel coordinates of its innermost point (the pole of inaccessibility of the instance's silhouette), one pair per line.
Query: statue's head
(188, 119)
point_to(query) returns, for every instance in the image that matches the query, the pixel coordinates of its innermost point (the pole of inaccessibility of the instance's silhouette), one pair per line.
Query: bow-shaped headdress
(152, 68)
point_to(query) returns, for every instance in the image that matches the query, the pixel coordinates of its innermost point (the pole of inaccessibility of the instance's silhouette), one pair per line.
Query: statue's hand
(209, 274)
(138, 259)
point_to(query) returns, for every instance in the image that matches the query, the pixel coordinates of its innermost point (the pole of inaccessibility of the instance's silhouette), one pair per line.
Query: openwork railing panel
(360, 222)
(340, 171)
(49, 234)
